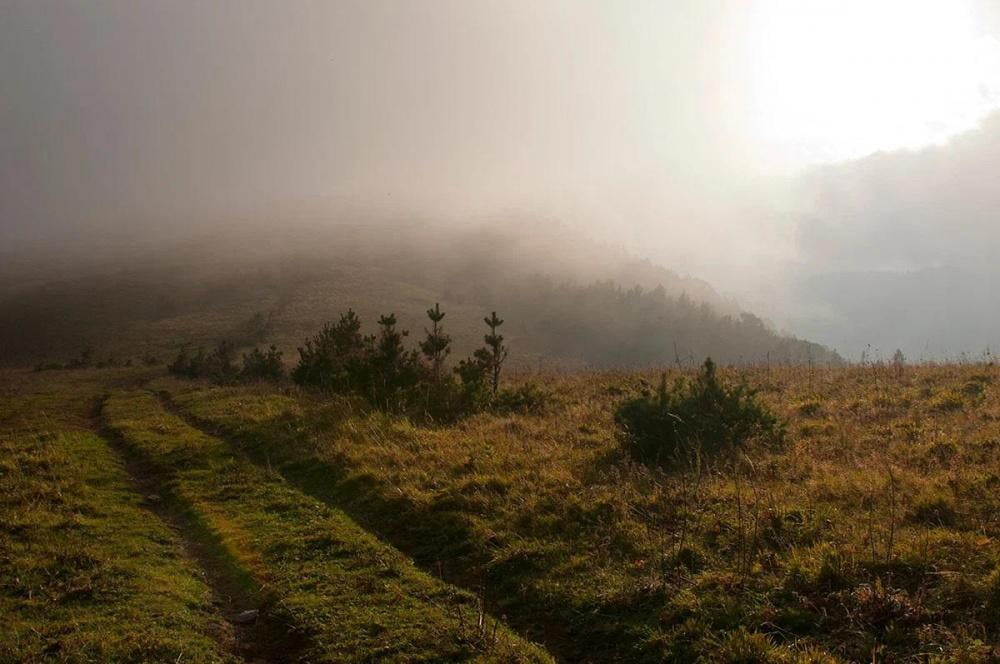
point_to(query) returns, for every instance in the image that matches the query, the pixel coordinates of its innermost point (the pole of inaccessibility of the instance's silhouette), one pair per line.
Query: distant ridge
(570, 301)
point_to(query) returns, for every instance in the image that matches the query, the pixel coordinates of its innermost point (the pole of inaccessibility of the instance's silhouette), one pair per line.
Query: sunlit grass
(874, 529)
(343, 594)
(87, 574)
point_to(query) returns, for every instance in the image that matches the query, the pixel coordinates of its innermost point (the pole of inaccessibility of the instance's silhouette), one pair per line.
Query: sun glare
(840, 79)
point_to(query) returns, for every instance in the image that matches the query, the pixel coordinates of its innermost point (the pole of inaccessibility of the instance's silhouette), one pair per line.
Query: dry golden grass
(871, 534)
(151, 560)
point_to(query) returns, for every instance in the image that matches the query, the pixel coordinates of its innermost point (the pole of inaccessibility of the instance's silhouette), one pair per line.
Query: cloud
(905, 210)
(899, 250)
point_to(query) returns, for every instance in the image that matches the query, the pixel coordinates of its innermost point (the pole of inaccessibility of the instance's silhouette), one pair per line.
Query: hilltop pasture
(870, 532)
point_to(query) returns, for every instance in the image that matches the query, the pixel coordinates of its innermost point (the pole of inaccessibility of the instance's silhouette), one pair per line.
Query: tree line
(608, 326)
(380, 368)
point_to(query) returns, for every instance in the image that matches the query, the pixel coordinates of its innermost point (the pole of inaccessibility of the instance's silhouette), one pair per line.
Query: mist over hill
(898, 250)
(569, 301)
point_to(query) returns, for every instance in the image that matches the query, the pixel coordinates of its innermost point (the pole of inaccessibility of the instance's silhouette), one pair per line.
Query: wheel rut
(552, 635)
(247, 630)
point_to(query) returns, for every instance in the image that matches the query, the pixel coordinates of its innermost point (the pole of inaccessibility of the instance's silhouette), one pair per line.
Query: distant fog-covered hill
(898, 250)
(567, 301)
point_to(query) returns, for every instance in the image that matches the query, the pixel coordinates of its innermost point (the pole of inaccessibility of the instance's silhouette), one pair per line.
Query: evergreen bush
(259, 365)
(701, 418)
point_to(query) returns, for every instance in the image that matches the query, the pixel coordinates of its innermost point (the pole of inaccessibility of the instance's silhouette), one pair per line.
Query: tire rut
(553, 636)
(249, 631)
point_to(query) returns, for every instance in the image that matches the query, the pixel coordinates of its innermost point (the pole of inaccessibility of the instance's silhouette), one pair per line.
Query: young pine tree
(491, 357)
(258, 365)
(395, 368)
(435, 346)
(335, 359)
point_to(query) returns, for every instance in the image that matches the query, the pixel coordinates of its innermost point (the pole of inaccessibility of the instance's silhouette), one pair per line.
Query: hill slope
(567, 301)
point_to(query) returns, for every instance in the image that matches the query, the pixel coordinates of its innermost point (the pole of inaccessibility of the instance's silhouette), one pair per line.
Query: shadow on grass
(269, 637)
(440, 540)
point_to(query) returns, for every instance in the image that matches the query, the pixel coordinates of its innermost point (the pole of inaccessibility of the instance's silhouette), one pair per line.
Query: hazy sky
(672, 127)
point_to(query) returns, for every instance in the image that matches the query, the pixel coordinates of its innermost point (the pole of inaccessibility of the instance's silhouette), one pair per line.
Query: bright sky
(685, 131)
(838, 79)
(653, 123)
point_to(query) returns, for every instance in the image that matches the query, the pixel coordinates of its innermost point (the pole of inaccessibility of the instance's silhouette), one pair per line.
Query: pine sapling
(435, 346)
(396, 368)
(492, 356)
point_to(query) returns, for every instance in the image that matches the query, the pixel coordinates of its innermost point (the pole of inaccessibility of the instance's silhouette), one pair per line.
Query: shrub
(395, 378)
(337, 358)
(220, 365)
(696, 417)
(491, 356)
(263, 366)
(479, 375)
(474, 392)
(188, 365)
(436, 346)
(396, 371)
(442, 397)
(217, 365)
(527, 398)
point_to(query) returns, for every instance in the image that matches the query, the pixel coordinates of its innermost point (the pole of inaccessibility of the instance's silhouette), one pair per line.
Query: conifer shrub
(444, 397)
(701, 417)
(491, 357)
(340, 360)
(221, 363)
(527, 399)
(396, 371)
(414, 382)
(258, 365)
(218, 366)
(479, 375)
(187, 364)
(337, 358)
(437, 345)
(473, 390)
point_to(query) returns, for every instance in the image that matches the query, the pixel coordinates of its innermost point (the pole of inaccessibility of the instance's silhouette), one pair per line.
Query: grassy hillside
(87, 573)
(568, 303)
(341, 595)
(871, 535)
(128, 536)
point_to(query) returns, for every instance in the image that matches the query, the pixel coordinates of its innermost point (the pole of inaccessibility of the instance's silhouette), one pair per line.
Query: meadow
(869, 534)
(129, 536)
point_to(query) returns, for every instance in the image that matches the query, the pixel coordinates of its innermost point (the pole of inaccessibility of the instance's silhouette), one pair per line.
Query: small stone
(153, 498)
(246, 617)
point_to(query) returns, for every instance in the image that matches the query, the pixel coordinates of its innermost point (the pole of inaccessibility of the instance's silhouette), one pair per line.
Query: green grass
(872, 533)
(86, 573)
(346, 596)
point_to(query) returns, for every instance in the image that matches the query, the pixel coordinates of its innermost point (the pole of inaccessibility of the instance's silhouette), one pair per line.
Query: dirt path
(248, 630)
(551, 634)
